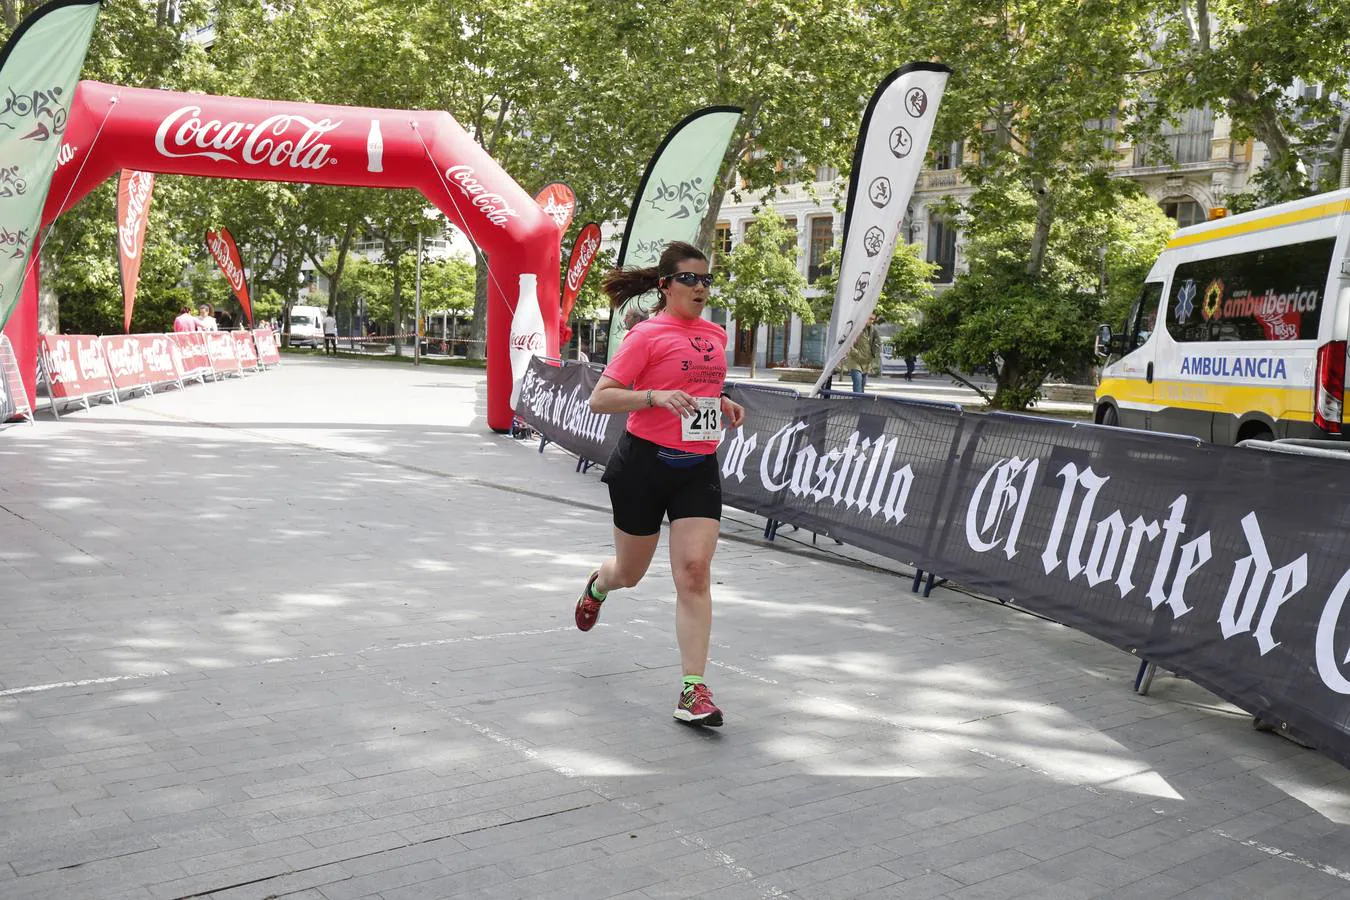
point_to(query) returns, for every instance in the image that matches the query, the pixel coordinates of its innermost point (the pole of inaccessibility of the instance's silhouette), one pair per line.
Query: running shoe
(697, 708)
(588, 608)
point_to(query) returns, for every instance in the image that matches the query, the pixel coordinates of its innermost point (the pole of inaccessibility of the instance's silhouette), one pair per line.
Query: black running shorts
(644, 489)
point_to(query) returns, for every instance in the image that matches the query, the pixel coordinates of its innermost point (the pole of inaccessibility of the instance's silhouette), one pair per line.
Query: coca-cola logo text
(491, 205)
(225, 257)
(585, 256)
(124, 357)
(271, 142)
(138, 203)
(85, 364)
(158, 357)
(65, 155)
(534, 340)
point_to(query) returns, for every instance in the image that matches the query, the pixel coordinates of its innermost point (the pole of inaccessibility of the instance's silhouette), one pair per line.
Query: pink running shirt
(666, 353)
(185, 322)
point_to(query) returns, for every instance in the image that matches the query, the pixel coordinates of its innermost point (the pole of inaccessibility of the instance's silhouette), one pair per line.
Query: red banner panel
(226, 254)
(246, 352)
(192, 352)
(579, 266)
(126, 363)
(75, 365)
(221, 347)
(268, 353)
(133, 214)
(158, 353)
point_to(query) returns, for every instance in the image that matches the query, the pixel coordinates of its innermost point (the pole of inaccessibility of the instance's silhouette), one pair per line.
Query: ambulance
(1240, 330)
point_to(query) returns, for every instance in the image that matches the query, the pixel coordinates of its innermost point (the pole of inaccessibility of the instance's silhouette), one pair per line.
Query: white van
(1240, 330)
(307, 326)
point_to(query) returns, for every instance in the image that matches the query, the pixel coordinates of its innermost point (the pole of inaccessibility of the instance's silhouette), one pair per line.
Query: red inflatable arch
(112, 128)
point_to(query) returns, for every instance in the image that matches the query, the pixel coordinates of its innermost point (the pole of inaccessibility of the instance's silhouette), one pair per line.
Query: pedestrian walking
(329, 333)
(864, 358)
(668, 376)
(909, 368)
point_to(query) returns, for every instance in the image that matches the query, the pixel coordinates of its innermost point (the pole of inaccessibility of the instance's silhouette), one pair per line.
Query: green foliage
(1137, 233)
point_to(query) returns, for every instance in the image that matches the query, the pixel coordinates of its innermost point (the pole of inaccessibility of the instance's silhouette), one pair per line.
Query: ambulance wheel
(1109, 417)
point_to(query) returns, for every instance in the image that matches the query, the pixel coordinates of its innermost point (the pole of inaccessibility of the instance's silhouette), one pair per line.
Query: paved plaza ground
(309, 635)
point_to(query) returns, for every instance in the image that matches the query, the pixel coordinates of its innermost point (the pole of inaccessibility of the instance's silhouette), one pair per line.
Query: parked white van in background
(1240, 330)
(307, 326)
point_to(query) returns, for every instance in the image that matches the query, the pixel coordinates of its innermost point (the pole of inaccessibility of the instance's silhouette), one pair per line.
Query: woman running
(668, 376)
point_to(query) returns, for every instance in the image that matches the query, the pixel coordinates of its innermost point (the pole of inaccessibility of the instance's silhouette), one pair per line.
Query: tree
(1241, 58)
(759, 281)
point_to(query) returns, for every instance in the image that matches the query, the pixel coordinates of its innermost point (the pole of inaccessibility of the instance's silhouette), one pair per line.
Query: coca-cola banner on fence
(266, 340)
(224, 356)
(126, 362)
(75, 365)
(160, 356)
(226, 254)
(1226, 565)
(192, 352)
(246, 352)
(133, 214)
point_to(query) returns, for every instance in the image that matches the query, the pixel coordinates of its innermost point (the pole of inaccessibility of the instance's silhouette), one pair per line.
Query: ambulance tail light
(1330, 386)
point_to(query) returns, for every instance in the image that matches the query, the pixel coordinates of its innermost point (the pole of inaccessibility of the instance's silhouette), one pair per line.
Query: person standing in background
(186, 321)
(206, 321)
(865, 357)
(329, 333)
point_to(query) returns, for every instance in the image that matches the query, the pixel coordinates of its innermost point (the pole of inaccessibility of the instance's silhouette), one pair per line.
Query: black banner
(553, 399)
(1229, 566)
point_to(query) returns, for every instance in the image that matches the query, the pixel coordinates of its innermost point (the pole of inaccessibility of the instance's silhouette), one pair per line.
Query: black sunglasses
(689, 279)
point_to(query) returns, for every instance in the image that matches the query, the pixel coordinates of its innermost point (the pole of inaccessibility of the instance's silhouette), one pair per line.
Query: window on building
(1272, 294)
(722, 240)
(942, 248)
(948, 156)
(1185, 210)
(790, 243)
(826, 173)
(1189, 140)
(1107, 128)
(822, 239)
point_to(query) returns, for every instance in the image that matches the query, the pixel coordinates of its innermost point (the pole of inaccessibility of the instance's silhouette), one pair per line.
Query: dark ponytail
(625, 284)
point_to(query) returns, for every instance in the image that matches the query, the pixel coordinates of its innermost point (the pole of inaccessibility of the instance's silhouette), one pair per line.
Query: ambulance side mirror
(1103, 344)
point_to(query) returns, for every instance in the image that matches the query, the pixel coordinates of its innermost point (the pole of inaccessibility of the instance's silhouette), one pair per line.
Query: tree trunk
(477, 348)
(49, 303)
(335, 279)
(1045, 217)
(754, 334)
(1265, 124)
(49, 311)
